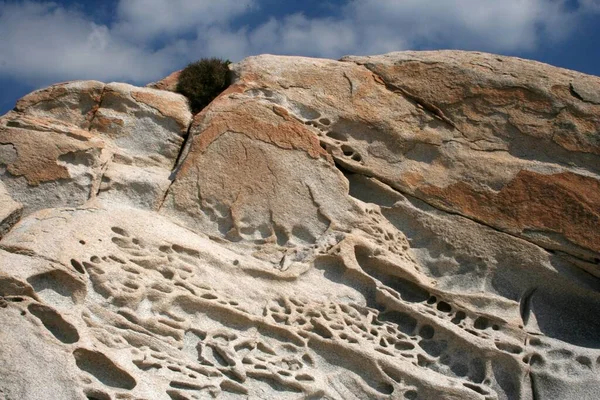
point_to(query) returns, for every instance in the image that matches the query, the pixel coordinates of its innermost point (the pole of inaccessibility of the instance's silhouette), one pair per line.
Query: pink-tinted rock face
(168, 83)
(506, 142)
(416, 225)
(64, 145)
(541, 124)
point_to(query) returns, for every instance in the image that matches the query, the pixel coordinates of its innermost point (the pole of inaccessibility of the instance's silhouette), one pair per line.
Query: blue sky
(140, 41)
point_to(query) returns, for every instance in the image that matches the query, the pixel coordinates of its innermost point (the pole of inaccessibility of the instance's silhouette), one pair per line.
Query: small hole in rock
(165, 249)
(54, 322)
(119, 231)
(508, 347)
(103, 369)
(433, 348)
(78, 267)
(402, 346)
(459, 316)
(307, 360)
(535, 342)
(583, 360)
(347, 150)
(481, 323)
(422, 361)
(426, 332)
(444, 307)
(337, 136)
(304, 377)
(475, 388)
(96, 395)
(459, 369)
(536, 360)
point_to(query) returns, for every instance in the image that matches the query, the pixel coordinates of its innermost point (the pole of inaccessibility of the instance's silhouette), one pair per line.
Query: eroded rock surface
(10, 211)
(406, 226)
(524, 153)
(78, 141)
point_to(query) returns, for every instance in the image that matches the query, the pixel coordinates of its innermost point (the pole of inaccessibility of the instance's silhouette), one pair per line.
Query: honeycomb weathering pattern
(417, 225)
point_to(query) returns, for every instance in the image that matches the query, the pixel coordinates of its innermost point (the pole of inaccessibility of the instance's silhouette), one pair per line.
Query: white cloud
(489, 25)
(380, 26)
(590, 5)
(149, 19)
(43, 42)
(222, 43)
(297, 34)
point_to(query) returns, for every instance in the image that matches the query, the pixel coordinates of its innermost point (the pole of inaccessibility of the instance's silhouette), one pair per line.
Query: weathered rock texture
(406, 226)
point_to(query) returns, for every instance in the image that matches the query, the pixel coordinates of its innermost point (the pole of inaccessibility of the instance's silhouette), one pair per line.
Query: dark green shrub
(203, 80)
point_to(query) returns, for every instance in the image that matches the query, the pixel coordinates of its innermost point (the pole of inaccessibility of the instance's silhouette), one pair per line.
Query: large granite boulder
(74, 142)
(417, 225)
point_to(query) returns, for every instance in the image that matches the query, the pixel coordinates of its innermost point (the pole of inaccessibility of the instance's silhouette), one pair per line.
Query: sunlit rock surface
(417, 225)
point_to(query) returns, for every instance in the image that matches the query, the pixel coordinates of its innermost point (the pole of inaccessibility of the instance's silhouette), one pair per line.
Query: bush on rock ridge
(203, 80)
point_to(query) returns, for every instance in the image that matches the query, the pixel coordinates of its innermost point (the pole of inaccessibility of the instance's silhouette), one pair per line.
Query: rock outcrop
(417, 225)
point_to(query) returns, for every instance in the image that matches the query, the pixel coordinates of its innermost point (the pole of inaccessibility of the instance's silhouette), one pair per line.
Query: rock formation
(417, 225)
